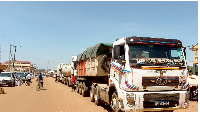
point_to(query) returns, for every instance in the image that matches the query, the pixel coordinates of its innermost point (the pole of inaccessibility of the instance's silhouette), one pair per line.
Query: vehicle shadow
(107, 107)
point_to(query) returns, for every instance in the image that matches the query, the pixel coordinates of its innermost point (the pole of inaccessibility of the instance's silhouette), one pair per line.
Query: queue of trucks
(131, 74)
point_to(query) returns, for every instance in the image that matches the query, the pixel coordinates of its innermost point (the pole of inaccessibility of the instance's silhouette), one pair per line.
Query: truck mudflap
(153, 101)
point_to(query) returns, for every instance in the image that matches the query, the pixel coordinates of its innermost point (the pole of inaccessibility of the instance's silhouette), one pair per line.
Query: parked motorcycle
(194, 93)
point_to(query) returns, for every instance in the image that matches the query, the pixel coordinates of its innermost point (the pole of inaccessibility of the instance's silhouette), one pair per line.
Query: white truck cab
(149, 74)
(7, 78)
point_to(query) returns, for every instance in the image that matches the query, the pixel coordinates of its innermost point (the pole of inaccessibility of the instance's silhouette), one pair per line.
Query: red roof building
(21, 66)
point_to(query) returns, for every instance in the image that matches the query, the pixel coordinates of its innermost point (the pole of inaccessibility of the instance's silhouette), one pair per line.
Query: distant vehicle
(54, 73)
(21, 75)
(7, 78)
(51, 73)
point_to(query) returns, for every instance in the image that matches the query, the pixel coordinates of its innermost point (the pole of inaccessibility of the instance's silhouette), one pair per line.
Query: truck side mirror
(122, 57)
(121, 60)
(116, 50)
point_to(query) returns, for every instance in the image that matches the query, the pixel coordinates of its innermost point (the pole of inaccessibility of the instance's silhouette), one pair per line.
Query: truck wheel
(77, 87)
(70, 84)
(84, 90)
(114, 103)
(97, 99)
(80, 88)
(67, 83)
(92, 93)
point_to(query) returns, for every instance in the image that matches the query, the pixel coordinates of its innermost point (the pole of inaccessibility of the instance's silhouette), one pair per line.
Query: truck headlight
(130, 99)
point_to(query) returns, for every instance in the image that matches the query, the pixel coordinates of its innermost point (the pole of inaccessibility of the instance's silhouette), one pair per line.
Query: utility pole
(9, 57)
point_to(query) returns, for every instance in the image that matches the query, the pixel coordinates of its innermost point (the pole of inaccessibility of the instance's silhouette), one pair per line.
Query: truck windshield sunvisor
(153, 51)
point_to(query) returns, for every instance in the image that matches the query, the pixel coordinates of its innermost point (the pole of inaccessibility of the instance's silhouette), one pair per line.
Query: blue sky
(54, 31)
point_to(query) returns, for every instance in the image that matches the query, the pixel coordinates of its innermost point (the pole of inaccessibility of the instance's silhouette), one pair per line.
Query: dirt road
(55, 97)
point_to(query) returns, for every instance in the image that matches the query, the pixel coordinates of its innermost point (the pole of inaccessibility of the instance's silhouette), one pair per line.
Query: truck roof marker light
(140, 42)
(155, 43)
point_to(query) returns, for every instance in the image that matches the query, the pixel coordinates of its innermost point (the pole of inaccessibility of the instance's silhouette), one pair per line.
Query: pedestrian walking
(73, 83)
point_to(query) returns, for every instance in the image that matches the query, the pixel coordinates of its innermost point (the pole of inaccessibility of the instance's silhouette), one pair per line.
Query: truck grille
(160, 81)
(157, 100)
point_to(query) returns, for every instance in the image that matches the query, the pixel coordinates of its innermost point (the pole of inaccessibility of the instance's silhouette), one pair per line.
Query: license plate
(162, 103)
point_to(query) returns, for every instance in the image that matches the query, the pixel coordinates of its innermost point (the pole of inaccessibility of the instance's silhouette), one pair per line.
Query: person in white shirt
(28, 77)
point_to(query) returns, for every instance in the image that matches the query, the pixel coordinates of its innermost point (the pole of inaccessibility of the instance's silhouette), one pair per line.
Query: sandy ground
(55, 97)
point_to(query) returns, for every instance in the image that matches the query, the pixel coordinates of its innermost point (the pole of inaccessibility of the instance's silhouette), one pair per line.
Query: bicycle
(39, 85)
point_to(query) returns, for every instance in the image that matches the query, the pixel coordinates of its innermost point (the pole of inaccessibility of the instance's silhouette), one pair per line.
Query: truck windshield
(155, 51)
(5, 74)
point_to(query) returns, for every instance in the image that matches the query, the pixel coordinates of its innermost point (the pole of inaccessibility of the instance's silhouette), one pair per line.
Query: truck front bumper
(6, 82)
(153, 101)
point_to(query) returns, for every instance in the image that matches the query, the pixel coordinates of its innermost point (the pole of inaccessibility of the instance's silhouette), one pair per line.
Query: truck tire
(77, 86)
(65, 81)
(92, 93)
(69, 84)
(115, 103)
(97, 99)
(62, 81)
(80, 88)
(84, 90)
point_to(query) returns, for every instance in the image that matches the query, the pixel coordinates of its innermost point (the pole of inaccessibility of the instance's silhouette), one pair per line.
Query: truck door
(118, 63)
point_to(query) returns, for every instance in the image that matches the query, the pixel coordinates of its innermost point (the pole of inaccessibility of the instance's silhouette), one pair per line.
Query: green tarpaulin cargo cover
(96, 50)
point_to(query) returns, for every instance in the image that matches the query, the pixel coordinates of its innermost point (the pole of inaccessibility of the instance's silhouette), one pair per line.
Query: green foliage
(190, 69)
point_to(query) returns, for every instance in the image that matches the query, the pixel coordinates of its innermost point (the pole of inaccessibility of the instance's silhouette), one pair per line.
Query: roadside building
(20, 66)
(3, 67)
(195, 56)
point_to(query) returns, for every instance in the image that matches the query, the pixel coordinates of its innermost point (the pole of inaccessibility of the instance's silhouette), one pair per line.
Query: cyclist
(40, 79)
(28, 77)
